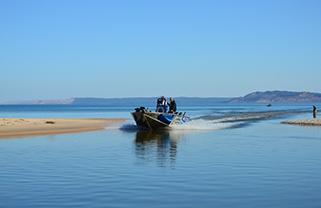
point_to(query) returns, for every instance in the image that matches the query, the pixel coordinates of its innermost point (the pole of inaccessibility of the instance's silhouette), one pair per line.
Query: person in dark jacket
(172, 106)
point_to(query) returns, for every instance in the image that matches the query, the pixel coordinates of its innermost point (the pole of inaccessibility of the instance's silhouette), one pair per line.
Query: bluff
(278, 97)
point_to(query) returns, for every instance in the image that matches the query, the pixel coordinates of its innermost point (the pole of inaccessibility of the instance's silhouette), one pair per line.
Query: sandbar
(305, 122)
(21, 127)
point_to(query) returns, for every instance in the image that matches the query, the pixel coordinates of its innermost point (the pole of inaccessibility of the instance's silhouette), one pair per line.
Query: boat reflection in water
(157, 146)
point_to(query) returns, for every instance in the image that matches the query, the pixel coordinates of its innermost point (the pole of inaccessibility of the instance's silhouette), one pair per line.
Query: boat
(269, 105)
(155, 120)
(159, 119)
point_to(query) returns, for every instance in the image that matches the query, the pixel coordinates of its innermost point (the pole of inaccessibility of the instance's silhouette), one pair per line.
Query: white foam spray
(198, 124)
(127, 125)
(201, 124)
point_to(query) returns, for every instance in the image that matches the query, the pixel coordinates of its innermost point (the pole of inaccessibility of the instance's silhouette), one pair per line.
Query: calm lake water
(229, 155)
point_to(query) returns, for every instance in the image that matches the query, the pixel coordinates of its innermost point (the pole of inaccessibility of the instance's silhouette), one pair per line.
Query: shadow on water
(158, 146)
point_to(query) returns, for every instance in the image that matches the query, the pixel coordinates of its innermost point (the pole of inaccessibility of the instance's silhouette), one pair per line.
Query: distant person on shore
(172, 106)
(314, 112)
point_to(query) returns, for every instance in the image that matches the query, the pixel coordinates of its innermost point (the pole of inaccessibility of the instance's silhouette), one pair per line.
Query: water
(229, 155)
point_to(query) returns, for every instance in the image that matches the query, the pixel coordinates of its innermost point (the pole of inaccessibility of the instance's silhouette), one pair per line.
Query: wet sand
(305, 122)
(15, 127)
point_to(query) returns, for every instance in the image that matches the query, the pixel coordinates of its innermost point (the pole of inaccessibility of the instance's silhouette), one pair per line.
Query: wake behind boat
(159, 119)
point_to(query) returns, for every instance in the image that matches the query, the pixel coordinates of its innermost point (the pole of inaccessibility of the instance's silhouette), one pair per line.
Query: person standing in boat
(161, 105)
(172, 106)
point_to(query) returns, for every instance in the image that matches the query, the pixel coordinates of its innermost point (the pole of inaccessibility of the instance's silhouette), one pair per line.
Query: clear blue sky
(63, 49)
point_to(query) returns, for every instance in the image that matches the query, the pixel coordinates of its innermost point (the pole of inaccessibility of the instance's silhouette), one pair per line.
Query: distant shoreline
(15, 127)
(119, 101)
(254, 97)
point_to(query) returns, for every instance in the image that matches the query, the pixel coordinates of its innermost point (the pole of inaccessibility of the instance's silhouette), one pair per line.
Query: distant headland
(278, 97)
(254, 97)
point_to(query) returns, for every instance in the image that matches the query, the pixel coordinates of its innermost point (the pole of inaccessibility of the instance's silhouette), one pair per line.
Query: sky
(57, 49)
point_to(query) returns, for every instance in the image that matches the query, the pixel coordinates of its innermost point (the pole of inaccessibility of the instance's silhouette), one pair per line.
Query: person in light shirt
(161, 105)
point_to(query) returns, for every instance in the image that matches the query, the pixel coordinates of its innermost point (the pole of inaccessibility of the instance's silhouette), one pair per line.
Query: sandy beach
(305, 122)
(15, 127)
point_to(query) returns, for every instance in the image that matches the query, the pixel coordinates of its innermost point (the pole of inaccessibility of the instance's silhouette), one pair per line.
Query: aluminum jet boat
(155, 120)
(159, 119)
